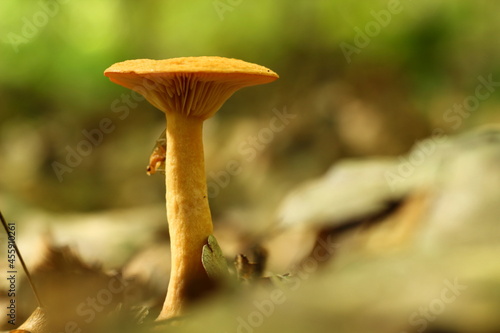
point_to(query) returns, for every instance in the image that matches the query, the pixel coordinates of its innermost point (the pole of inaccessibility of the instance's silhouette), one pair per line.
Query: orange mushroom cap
(193, 86)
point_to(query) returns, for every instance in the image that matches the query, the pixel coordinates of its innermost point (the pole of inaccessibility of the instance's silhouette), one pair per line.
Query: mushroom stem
(189, 90)
(188, 212)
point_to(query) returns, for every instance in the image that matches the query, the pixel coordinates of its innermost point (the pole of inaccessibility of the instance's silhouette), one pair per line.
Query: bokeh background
(405, 71)
(358, 79)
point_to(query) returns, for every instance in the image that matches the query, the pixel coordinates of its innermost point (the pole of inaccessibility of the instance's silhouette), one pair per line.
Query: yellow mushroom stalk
(189, 91)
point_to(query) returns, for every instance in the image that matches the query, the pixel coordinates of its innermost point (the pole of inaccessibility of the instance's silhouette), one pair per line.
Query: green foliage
(213, 260)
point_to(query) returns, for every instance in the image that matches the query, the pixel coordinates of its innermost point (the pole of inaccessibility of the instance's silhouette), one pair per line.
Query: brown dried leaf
(36, 323)
(247, 270)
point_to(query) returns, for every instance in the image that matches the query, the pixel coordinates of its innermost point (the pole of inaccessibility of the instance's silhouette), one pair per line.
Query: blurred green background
(411, 61)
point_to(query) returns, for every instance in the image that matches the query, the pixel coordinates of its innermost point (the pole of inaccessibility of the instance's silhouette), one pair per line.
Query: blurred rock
(430, 264)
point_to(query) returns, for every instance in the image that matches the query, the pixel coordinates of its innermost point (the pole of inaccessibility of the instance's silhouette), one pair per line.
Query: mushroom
(188, 90)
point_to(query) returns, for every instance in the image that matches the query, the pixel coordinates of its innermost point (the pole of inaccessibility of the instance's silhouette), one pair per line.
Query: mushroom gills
(158, 156)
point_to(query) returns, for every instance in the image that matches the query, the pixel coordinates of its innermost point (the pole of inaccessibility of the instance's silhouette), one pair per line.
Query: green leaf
(213, 260)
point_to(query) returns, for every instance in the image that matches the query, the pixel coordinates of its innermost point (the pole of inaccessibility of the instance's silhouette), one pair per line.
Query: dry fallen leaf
(36, 323)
